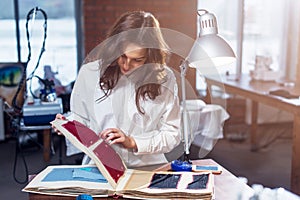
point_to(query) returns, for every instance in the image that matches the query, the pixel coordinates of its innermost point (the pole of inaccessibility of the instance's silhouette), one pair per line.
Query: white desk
(38, 112)
(46, 130)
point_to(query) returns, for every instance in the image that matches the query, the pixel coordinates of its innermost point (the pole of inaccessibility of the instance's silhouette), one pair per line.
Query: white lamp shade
(210, 50)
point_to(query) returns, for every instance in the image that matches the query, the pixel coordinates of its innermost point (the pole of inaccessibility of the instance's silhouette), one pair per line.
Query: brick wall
(177, 15)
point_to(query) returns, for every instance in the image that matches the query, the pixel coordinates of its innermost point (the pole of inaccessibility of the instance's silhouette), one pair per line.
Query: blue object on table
(84, 197)
(178, 165)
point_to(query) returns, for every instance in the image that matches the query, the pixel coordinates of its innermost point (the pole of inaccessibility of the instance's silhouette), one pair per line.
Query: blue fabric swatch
(90, 174)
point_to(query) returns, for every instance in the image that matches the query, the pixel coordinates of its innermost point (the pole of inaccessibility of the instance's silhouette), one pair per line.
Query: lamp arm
(183, 69)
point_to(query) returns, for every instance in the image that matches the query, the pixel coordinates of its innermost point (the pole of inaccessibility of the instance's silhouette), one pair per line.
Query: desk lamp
(208, 51)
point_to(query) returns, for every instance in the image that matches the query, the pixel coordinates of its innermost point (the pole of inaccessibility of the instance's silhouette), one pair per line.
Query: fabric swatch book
(110, 176)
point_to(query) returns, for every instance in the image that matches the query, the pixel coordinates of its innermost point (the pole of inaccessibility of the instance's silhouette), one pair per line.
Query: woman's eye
(139, 60)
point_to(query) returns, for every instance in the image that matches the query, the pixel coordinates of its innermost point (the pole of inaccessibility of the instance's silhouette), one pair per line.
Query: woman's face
(134, 57)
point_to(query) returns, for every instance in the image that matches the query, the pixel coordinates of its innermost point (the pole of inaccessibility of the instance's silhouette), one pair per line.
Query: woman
(127, 94)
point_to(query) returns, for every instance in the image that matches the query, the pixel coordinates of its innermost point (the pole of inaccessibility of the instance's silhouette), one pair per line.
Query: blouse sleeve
(78, 106)
(78, 102)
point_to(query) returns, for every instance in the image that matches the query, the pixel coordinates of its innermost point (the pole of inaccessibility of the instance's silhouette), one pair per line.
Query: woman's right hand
(58, 116)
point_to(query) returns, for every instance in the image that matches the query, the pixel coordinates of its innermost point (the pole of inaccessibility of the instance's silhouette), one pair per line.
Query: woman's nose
(126, 64)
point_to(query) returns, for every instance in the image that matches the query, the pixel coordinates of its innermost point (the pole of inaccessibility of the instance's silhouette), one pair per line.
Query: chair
(205, 127)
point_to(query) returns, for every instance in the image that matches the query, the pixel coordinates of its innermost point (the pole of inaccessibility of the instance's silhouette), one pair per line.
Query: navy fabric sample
(199, 182)
(164, 181)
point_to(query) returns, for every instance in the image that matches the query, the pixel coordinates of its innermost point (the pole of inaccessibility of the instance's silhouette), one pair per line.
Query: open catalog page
(73, 180)
(110, 176)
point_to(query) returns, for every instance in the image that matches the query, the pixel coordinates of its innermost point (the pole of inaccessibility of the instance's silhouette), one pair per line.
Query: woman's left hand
(116, 136)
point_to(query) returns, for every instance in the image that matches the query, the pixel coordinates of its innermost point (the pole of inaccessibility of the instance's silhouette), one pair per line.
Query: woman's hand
(58, 116)
(116, 136)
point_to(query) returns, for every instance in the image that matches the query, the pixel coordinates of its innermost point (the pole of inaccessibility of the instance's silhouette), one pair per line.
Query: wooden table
(227, 186)
(258, 92)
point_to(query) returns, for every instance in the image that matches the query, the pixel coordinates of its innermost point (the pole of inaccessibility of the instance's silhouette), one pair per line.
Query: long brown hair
(140, 28)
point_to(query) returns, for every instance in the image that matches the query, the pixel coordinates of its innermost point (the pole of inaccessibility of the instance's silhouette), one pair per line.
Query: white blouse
(156, 132)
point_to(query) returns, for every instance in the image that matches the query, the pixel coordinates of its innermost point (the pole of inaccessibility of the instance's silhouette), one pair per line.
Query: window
(60, 44)
(8, 32)
(258, 28)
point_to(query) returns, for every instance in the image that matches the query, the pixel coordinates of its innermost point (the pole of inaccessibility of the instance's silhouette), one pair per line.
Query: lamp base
(178, 165)
(183, 164)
